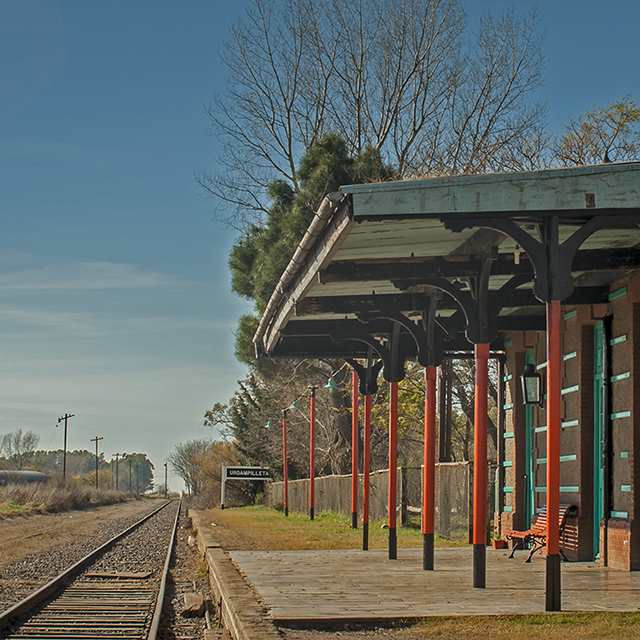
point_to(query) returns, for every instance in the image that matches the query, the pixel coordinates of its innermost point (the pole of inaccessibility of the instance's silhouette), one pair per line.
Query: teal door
(530, 484)
(598, 435)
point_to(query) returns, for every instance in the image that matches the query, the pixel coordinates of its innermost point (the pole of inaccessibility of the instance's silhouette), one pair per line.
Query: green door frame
(598, 434)
(530, 467)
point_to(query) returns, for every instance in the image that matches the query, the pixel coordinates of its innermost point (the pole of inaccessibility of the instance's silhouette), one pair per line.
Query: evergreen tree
(260, 255)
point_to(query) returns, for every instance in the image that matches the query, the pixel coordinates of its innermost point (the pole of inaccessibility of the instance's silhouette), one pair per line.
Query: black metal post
(165, 480)
(553, 600)
(65, 417)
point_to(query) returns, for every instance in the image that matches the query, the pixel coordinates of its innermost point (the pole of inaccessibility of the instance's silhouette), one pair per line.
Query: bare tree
(607, 134)
(401, 76)
(15, 446)
(186, 461)
(260, 401)
(492, 116)
(269, 113)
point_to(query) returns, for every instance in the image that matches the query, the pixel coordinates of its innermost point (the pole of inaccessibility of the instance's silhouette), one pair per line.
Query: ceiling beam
(324, 329)
(580, 295)
(335, 327)
(343, 305)
(359, 304)
(324, 347)
(464, 266)
(416, 268)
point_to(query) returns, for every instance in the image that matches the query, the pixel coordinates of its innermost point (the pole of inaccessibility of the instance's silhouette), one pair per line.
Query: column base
(311, 513)
(354, 520)
(479, 566)
(286, 513)
(552, 595)
(427, 551)
(393, 544)
(365, 536)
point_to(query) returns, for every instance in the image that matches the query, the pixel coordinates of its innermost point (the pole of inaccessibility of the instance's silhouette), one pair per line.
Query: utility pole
(165, 481)
(96, 440)
(137, 479)
(117, 455)
(65, 417)
(129, 475)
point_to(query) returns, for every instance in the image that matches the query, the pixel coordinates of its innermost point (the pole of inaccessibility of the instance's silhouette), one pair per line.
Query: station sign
(241, 473)
(247, 473)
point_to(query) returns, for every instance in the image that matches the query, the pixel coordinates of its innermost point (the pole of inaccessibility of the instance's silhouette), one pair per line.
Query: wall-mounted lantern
(531, 385)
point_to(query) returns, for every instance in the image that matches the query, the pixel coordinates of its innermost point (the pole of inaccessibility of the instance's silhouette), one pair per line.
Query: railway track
(115, 591)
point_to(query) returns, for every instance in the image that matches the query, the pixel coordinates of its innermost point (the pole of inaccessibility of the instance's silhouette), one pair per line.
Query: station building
(540, 270)
(600, 426)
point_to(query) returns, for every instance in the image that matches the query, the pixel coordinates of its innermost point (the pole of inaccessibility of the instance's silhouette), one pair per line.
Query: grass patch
(15, 508)
(553, 626)
(247, 528)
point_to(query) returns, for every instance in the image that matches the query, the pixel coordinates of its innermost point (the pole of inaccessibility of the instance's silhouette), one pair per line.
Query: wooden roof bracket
(429, 345)
(551, 260)
(363, 336)
(474, 304)
(367, 374)
(393, 359)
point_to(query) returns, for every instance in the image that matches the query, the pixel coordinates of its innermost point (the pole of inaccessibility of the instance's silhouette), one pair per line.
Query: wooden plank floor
(356, 585)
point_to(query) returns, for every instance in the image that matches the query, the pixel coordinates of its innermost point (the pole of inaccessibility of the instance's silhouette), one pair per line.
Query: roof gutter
(329, 205)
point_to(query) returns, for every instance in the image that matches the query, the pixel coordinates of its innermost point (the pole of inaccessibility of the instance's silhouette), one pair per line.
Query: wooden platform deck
(325, 586)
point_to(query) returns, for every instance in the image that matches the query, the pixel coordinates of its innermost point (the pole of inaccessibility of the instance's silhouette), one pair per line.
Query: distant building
(9, 476)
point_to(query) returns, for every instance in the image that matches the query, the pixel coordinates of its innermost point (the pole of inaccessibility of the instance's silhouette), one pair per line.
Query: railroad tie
(90, 609)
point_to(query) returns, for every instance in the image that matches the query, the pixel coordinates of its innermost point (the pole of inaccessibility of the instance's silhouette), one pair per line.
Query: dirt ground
(226, 528)
(24, 536)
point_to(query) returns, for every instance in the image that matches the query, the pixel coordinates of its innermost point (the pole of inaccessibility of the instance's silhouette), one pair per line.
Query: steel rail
(155, 622)
(41, 594)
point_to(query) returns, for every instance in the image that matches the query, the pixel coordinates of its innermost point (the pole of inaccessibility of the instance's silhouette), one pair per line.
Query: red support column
(284, 463)
(354, 451)
(366, 469)
(393, 468)
(312, 454)
(554, 428)
(428, 479)
(480, 467)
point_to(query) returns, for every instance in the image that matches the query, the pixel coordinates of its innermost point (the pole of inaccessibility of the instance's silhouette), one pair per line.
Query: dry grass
(250, 528)
(54, 497)
(560, 626)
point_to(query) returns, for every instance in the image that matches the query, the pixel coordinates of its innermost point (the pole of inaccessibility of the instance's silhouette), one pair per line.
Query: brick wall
(619, 544)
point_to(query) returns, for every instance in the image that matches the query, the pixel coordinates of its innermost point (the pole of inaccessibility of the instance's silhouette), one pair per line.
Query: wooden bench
(536, 537)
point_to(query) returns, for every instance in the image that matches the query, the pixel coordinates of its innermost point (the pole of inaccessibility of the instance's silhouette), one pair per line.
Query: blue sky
(114, 288)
